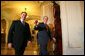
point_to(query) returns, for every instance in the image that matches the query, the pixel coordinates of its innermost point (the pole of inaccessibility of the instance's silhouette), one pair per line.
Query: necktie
(46, 26)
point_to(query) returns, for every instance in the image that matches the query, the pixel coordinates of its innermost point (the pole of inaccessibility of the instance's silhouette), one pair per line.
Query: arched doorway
(3, 31)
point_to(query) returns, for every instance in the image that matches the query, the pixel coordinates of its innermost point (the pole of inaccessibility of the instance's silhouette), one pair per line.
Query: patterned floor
(30, 50)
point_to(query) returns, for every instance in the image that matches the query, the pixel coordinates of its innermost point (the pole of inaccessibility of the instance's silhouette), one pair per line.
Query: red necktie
(46, 26)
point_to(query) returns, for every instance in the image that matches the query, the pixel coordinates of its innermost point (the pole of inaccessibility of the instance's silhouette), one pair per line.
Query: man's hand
(54, 40)
(10, 45)
(36, 22)
(29, 42)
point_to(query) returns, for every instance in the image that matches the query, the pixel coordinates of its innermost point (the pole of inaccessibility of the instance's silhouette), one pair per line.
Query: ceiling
(12, 9)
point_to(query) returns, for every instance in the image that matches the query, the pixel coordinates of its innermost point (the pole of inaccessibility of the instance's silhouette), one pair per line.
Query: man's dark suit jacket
(43, 34)
(19, 34)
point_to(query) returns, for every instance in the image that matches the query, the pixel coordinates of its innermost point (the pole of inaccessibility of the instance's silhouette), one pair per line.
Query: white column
(72, 28)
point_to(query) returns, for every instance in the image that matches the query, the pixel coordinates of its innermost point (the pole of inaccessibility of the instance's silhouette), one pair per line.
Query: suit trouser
(19, 51)
(43, 49)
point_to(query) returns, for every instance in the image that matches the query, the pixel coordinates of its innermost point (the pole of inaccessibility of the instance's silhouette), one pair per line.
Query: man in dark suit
(19, 34)
(43, 35)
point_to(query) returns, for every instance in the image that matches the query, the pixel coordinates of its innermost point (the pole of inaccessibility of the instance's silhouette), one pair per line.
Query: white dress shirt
(22, 20)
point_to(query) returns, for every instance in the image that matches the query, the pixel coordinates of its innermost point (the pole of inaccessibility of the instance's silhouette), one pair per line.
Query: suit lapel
(25, 24)
(45, 26)
(21, 23)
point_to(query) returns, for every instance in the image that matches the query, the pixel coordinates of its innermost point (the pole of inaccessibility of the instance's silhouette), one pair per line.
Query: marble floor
(30, 50)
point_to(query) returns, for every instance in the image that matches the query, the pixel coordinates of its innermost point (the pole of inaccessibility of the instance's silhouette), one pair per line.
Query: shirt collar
(21, 20)
(44, 23)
